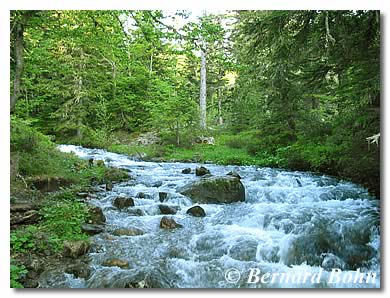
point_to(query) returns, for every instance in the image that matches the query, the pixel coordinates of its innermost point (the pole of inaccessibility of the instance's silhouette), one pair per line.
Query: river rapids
(291, 225)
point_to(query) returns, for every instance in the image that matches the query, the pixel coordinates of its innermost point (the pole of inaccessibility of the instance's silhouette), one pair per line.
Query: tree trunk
(220, 120)
(202, 97)
(177, 133)
(79, 95)
(19, 63)
(18, 50)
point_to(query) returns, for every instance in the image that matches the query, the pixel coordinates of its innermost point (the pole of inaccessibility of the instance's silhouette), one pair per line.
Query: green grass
(34, 157)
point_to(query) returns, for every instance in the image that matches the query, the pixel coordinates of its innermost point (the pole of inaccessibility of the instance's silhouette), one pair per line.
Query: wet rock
(234, 174)
(186, 171)
(75, 248)
(123, 202)
(142, 195)
(128, 232)
(92, 229)
(331, 261)
(164, 209)
(298, 182)
(96, 215)
(162, 196)
(169, 223)
(109, 186)
(135, 212)
(79, 270)
(196, 211)
(114, 262)
(201, 171)
(214, 190)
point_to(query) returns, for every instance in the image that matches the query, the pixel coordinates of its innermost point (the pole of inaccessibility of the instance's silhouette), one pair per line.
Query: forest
(292, 90)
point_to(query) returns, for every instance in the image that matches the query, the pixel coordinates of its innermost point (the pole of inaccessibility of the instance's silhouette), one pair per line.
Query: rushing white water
(294, 223)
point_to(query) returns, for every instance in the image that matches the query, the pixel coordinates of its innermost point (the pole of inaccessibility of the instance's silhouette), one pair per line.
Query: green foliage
(16, 273)
(23, 240)
(295, 89)
(62, 220)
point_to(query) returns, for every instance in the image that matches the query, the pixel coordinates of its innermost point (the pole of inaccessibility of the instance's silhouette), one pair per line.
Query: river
(291, 225)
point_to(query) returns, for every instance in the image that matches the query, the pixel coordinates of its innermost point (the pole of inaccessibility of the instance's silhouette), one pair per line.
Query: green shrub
(62, 221)
(16, 273)
(23, 240)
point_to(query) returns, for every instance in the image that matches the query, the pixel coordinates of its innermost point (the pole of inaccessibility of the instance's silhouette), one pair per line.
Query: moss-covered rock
(215, 189)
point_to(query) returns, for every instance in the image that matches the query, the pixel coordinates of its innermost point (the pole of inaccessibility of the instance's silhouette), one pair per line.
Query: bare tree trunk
(177, 133)
(79, 95)
(220, 120)
(202, 96)
(113, 80)
(19, 48)
(79, 87)
(19, 61)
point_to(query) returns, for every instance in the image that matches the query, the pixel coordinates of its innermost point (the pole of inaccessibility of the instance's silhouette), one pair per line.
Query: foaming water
(290, 222)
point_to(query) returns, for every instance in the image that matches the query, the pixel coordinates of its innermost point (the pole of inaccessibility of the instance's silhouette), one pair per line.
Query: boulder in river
(109, 186)
(215, 190)
(78, 269)
(114, 262)
(142, 195)
(135, 212)
(128, 232)
(201, 171)
(96, 215)
(75, 248)
(186, 171)
(165, 209)
(196, 211)
(91, 229)
(234, 174)
(123, 202)
(169, 223)
(162, 196)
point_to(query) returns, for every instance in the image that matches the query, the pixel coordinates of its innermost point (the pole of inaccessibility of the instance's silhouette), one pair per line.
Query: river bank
(290, 222)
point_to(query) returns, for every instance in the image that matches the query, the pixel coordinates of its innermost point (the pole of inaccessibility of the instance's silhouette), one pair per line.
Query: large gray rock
(215, 190)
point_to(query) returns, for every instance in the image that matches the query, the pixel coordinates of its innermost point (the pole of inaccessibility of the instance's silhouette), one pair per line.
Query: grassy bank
(358, 163)
(35, 162)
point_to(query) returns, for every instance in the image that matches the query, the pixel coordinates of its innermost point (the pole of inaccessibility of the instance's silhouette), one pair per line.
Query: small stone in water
(196, 211)
(164, 209)
(186, 171)
(114, 262)
(123, 202)
(128, 232)
(162, 196)
(169, 223)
